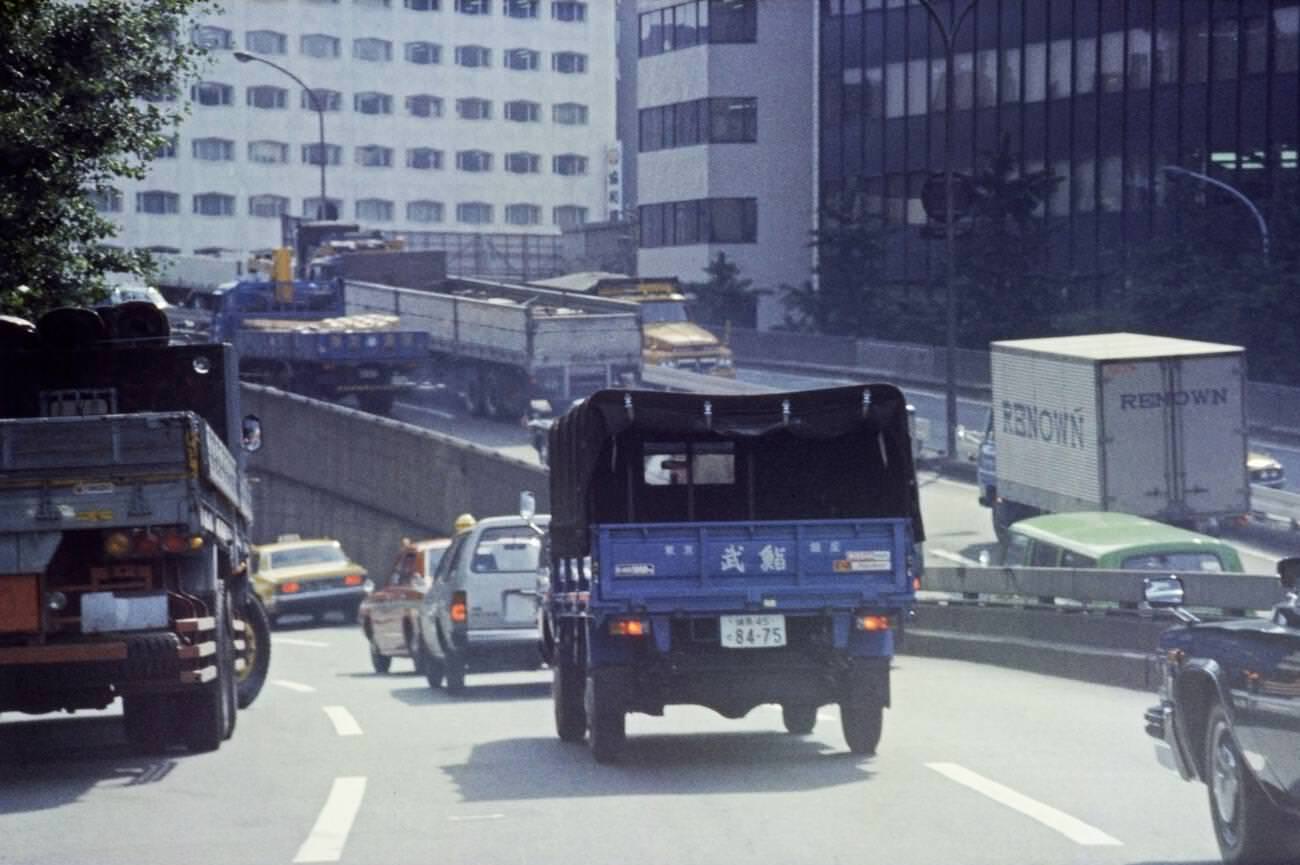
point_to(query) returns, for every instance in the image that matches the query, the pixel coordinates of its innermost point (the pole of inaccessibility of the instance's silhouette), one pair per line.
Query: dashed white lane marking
(293, 686)
(1071, 827)
(465, 818)
(298, 641)
(344, 723)
(445, 415)
(953, 557)
(330, 832)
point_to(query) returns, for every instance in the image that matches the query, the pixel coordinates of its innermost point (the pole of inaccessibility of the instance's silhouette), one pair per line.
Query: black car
(1229, 716)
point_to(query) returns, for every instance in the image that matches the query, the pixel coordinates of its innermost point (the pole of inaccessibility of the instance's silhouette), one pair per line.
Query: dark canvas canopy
(818, 454)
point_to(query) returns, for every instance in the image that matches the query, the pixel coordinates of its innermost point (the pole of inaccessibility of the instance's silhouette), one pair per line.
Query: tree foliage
(724, 296)
(73, 121)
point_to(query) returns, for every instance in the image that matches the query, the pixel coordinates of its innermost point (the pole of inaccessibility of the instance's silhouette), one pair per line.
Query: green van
(1098, 539)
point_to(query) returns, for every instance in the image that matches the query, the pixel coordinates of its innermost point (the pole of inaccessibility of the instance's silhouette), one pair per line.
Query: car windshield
(320, 554)
(658, 311)
(1173, 562)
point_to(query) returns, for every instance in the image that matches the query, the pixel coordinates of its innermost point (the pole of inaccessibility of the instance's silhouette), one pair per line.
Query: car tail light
(290, 588)
(353, 580)
(459, 608)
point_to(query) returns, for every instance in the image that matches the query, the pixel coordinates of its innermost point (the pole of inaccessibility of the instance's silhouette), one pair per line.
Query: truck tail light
(146, 544)
(629, 627)
(459, 608)
(870, 622)
(175, 542)
(117, 544)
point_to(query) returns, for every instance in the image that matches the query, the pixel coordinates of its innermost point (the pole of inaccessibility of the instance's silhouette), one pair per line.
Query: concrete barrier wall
(330, 471)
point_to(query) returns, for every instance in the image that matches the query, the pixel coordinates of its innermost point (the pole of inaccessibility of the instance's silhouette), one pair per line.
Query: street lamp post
(948, 31)
(244, 57)
(1231, 190)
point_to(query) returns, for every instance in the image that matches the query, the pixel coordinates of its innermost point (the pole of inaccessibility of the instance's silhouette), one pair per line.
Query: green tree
(72, 121)
(724, 296)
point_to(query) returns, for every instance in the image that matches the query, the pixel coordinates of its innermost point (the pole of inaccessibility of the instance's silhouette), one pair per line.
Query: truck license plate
(753, 632)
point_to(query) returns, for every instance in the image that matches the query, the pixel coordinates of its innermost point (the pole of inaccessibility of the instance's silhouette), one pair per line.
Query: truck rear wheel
(207, 713)
(606, 720)
(567, 695)
(799, 719)
(862, 722)
(257, 650)
(149, 720)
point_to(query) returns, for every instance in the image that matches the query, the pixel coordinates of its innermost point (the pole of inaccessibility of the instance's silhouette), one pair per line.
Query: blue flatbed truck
(729, 551)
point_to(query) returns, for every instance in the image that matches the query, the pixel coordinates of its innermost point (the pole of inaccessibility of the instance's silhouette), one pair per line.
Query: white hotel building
(476, 116)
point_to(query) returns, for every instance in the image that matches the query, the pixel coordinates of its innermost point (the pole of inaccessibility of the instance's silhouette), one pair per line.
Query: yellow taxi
(312, 577)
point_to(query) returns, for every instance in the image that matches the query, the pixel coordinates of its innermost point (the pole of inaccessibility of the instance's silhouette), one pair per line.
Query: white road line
(297, 641)
(464, 818)
(952, 557)
(293, 686)
(1073, 828)
(445, 415)
(344, 723)
(330, 833)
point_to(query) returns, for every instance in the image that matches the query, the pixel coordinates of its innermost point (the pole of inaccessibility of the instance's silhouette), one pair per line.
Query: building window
(698, 22)
(523, 111)
(427, 158)
(424, 211)
(523, 59)
(212, 93)
(312, 208)
(731, 21)
(424, 105)
(521, 8)
(326, 100)
(266, 96)
(166, 94)
(268, 151)
(266, 42)
(523, 214)
(473, 160)
(474, 109)
(106, 201)
(474, 213)
(569, 164)
(154, 201)
(213, 38)
(733, 120)
(319, 45)
(523, 163)
(568, 10)
(159, 249)
(707, 220)
(374, 210)
(568, 215)
(375, 156)
(474, 7)
(372, 103)
(167, 149)
(421, 5)
(720, 120)
(311, 154)
(569, 114)
(373, 50)
(374, 4)
(214, 204)
(267, 206)
(473, 56)
(569, 62)
(213, 149)
(424, 53)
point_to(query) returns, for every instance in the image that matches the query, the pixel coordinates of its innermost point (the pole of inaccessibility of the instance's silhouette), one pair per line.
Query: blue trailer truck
(296, 335)
(729, 551)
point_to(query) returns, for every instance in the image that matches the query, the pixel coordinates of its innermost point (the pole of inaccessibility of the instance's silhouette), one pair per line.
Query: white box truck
(1146, 425)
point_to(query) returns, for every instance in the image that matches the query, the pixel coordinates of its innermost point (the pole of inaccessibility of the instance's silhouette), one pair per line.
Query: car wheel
(1248, 827)
(434, 669)
(455, 672)
(799, 718)
(378, 659)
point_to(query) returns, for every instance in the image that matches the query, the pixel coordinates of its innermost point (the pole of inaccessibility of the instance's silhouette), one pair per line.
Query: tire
(454, 671)
(606, 721)
(206, 711)
(569, 702)
(273, 619)
(799, 719)
(378, 659)
(434, 669)
(862, 722)
(149, 720)
(1248, 827)
(257, 651)
(415, 649)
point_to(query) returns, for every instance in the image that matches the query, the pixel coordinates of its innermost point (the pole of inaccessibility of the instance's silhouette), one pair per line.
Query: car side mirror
(1289, 571)
(252, 433)
(1163, 592)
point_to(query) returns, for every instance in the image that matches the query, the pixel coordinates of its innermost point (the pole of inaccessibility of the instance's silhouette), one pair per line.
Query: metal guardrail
(1276, 503)
(666, 378)
(1203, 589)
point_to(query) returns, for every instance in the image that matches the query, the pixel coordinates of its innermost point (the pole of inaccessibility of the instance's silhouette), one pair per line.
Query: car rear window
(320, 555)
(432, 557)
(507, 549)
(1191, 561)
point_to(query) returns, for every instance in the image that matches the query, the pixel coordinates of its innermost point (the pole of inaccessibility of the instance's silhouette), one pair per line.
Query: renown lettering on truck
(1158, 399)
(1055, 426)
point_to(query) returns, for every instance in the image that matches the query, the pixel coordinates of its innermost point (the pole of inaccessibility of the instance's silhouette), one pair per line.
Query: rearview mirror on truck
(252, 433)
